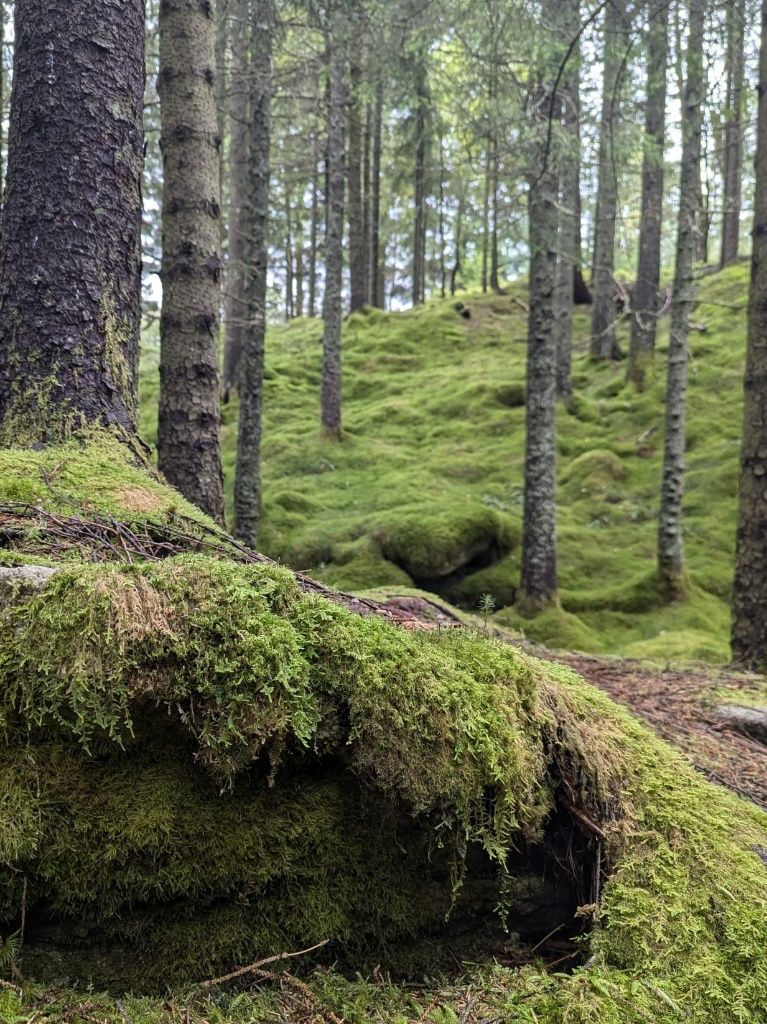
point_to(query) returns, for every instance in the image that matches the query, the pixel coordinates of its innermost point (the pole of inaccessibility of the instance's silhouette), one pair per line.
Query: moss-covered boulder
(203, 762)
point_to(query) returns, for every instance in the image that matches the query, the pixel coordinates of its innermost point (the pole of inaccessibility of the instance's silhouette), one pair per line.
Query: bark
(314, 231)
(356, 219)
(441, 222)
(670, 551)
(71, 232)
(733, 133)
(332, 311)
(485, 222)
(2, 90)
(234, 302)
(419, 181)
(188, 449)
(375, 261)
(603, 343)
(289, 306)
(222, 86)
(538, 585)
(458, 243)
(495, 283)
(366, 171)
(749, 595)
(568, 233)
(644, 319)
(247, 483)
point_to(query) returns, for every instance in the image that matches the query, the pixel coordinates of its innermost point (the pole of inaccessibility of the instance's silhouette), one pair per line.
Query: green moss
(200, 765)
(430, 441)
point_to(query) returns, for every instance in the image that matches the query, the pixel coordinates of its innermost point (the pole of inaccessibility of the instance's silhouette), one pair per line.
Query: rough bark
(314, 231)
(538, 585)
(332, 311)
(733, 133)
(234, 301)
(603, 343)
(354, 177)
(376, 284)
(644, 318)
(247, 483)
(568, 233)
(419, 181)
(222, 89)
(670, 550)
(749, 595)
(188, 448)
(71, 233)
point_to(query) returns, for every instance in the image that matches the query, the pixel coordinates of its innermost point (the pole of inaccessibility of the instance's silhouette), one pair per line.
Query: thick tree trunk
(644, 319)
(71, 232)
(2, 90)
(354, 173)
(247, 483)
(670, 551)
(188, 449)
(234, 303)
(733, 132)
(374, 261)
(749, 594)
(332, 312)
(603, 343)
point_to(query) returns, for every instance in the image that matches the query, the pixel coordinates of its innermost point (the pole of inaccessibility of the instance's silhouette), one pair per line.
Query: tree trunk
(71, 232)
(366, 170)
(332, 312)
(188, 450)
(247, 482)
(288, 253)
(221, 44)
(2, 90)
(314, 231)
(495, 283)
(733, 133)
(234, 301)
(458, 244)
(603, 343)
(568, 234)
(538, 585)
(485, 222)
(749, 594)
(419, 182)
(441, 222)
(354, 173)
(670, 552)
(376, 287)
(644, 319)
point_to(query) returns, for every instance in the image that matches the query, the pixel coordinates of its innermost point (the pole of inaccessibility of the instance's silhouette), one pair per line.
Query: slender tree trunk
(234, 301)
(441, 222)
(458, 243)
(419, 183)
(603, 343)
(670, 552)
(486, 222)
(749, 593)
(314, 231)
(354, 175)
(375, 260)
(569, 23)
(188, 450)
(331, 358)
(289, 304)
(581, 291)
(366, 170)
(247, 483)
(644, 319)
(733, 133)
(71, 231)
(495, 283)
(538, 585)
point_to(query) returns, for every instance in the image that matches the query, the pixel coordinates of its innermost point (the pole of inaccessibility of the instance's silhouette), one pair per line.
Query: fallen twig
(254, 968)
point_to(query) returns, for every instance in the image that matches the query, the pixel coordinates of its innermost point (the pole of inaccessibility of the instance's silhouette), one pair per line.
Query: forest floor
(425, 489)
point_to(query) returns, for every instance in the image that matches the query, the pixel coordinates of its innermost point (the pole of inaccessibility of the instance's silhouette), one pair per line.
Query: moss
(201, 764)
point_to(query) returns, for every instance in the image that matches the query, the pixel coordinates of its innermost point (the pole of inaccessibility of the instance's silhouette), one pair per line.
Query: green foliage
(430, 469)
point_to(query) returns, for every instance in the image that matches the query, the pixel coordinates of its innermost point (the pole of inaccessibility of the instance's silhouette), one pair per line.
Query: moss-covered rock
(201, 764)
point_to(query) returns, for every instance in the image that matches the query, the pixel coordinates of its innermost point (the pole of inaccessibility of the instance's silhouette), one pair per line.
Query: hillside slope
(426, 487)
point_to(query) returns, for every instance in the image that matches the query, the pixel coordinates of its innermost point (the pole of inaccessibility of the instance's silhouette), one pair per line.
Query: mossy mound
(202, 764)
(434, 436)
